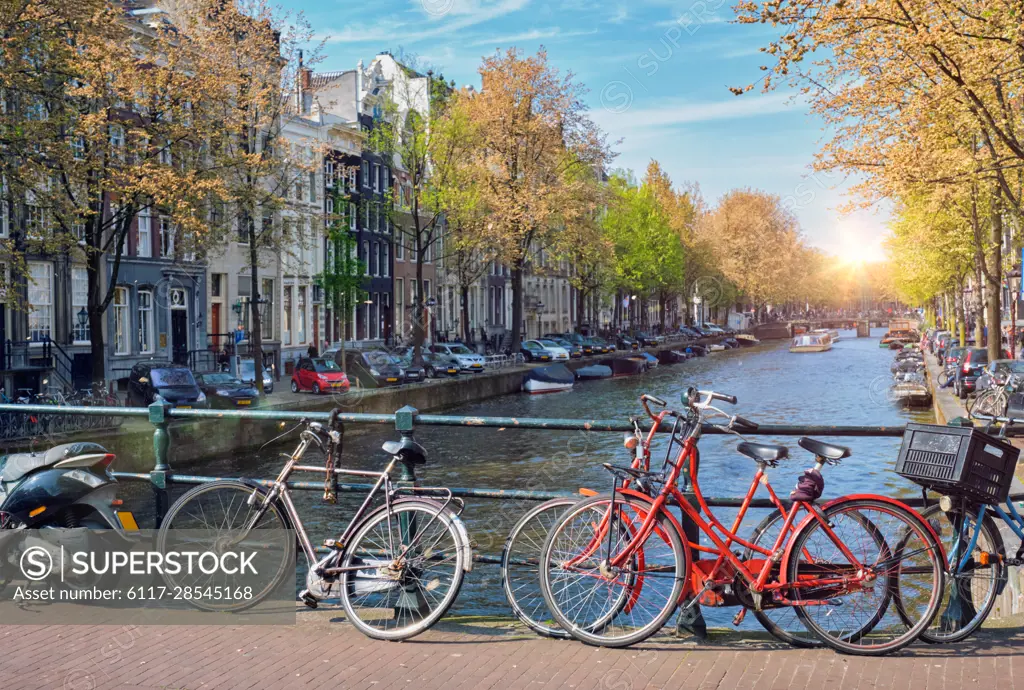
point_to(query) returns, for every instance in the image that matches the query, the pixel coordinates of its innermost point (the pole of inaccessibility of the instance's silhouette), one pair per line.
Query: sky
(658, 73)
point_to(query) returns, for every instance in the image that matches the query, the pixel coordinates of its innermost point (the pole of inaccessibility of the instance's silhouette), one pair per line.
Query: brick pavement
(470, 654)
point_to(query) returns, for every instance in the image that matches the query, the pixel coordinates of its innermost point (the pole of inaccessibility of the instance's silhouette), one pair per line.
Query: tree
(755, 244)
(424, 132)
(254, 50)
(342, 277)
(531, 134)
(648, 253)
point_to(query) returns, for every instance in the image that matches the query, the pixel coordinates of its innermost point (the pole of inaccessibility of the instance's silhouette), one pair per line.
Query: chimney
(299, 87)
(359, 89)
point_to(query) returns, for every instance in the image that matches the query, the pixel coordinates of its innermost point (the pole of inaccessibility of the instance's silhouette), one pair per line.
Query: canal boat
(716, 347)
(831, 332)
(673, 356)
(652, 361)
(811, 342)
(911, 394)
(747, 340)
(550, 379)
(593, 372)
(900, 331)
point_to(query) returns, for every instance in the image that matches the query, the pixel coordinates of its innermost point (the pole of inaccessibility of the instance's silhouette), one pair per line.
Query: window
(364, 252)
(286, 332)
(78, 147)
(35, 220)
(365, 169)
(165, 153)
(399, 304)
(385, 259)
(78, 230)
(79, 301)
(312, 187)
(298, 190)
(5, 223)
(267, 313)
(329, 174)
(352, 178)
(387, 179)
(302, 314)
(399, 249)
(329, 209)
(374, 266)
(366, 216)
(145, 322)
(145, 248)
(117, 141)
(121, 321)
(167, 232)
(352, 211)
(376, 177)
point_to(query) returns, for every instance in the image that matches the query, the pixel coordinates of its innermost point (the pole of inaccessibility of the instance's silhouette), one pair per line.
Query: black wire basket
(959, 461)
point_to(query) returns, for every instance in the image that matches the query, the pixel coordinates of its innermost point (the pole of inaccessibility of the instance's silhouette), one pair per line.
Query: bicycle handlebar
(651, 398)
(744, 422)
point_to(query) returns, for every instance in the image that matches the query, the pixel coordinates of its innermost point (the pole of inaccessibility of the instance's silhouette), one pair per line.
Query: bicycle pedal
(738, 618)
(308, 599)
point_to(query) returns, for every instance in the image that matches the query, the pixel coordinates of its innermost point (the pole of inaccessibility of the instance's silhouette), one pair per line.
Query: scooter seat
(18, 465)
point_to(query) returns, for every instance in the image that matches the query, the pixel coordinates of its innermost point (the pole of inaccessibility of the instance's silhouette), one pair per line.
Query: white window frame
(365, 169)
(376, 177)
(365, 257)
(122, 318)
(399, 249)
(286, 313)
(301, 310)
(145, 220)
(40, 301)
(399, 305)
(329, 174)
(353, 213)
(79, 301)
(146, 331)
(167, 233)
(165, 153)
(385, 259)
(117, 139)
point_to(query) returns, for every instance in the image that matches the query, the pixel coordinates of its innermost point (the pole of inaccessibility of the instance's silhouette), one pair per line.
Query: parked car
(372, 368)
(606, 345)
(319, 375)
(649, 339)
(224, 391)
(690, 333)
(969, 367)
(626, 343)
(436, 365)
(995, 373)
(533, 351)
(952, 355)
(574, 350)
(597, 346)
(560, 354)
(247, 374)
(589, 347)
(173, 384)
(410, 373)
(467, 359)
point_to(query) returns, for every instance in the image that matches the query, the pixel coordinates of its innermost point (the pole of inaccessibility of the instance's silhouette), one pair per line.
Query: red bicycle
(863, 573)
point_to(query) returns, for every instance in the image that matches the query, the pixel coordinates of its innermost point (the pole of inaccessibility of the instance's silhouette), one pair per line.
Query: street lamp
(83, 317)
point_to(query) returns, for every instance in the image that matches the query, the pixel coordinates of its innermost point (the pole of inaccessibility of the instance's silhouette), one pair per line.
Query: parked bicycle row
(863, 574)
(15, 426)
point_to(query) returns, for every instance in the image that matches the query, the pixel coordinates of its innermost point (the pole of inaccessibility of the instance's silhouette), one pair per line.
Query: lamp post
(83, 318)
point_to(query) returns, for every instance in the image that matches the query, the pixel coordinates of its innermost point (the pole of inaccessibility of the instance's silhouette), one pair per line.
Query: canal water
(845, 386)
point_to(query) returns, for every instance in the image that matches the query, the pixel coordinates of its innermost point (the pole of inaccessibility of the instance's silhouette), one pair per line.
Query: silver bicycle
(397, 567)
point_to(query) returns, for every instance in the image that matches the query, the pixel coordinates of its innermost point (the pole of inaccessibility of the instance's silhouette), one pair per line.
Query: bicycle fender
(465, 547)
(784, 565)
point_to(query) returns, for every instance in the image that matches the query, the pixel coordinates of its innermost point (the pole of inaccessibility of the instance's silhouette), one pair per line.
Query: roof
(322, 79)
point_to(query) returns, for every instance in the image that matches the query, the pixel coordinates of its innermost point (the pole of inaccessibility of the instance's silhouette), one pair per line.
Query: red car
(318, 375)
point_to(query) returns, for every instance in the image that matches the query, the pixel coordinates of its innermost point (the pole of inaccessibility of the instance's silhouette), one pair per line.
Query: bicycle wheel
(218, 517)
(604, 605)
(971, 590)
(783, 623)
(851, 612)
(396, 597)
(942, 379)
(520, 560)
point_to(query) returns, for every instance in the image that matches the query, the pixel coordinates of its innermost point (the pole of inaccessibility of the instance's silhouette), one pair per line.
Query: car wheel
(430, 373)
(316, 389)
(295, 387)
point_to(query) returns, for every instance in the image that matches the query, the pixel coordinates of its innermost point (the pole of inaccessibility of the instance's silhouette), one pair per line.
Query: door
(215, 323)
(179, 336)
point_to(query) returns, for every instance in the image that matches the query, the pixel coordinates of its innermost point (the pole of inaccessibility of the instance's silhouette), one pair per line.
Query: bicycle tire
(603, 630)
(521, 581)
(373, 584)
(931, 567)
(236, 493)
(942, 379)
(989, 539)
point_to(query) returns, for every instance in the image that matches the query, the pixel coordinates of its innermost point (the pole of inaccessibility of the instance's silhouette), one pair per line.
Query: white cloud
(529, 36)
(679, 112)
(461, 15)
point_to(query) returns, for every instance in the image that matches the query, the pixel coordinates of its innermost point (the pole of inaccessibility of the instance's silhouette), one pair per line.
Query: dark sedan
(627, 343)
(969, 366)
(996, 373)
(224, 391)
(648, 339)
(412, 374)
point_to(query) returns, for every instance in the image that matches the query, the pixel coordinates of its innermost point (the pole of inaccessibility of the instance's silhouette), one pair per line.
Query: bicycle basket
(958, 460)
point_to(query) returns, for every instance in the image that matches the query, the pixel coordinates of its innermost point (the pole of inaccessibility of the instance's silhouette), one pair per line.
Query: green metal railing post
(161, 467)
(411, 599)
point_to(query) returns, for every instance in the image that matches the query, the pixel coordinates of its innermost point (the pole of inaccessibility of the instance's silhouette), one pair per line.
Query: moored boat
(652, 361)
(550, 379)
(672, 356)
(900, 331)
(747, 340)
(911, 394)
(625, 366)
(593, 372)
(811, 342)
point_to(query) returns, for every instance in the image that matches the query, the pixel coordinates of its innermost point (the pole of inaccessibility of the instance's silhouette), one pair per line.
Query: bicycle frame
(279, 492)
(759, 580)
